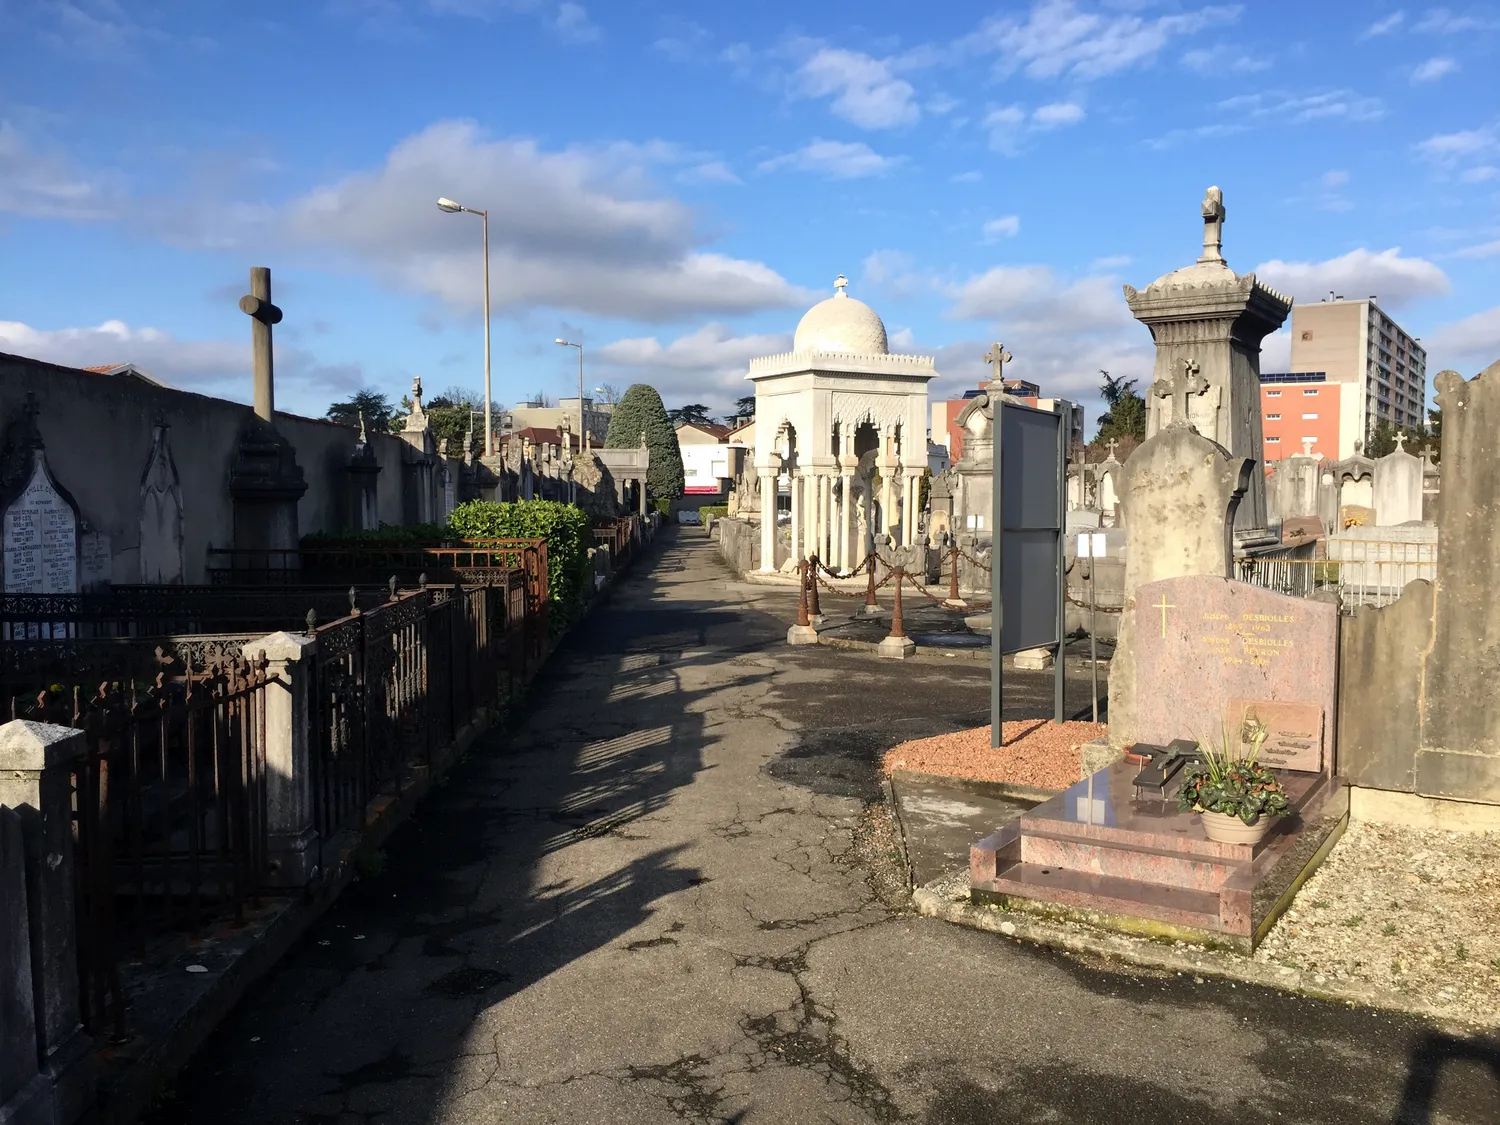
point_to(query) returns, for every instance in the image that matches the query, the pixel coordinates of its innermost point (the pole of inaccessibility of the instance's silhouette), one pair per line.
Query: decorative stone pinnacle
(1400, 441)
(1213, 225)
(416, 394)
(840, 284)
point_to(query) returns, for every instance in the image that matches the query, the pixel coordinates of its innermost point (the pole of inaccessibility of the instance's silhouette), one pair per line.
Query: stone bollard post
(897, 646)
(292, 838)
(814, 613)
(802, 633)
(35, 767)
(871, 608)
(953, 597)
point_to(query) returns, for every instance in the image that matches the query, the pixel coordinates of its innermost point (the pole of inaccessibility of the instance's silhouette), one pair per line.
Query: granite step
(1106, 893)
(1133, 861)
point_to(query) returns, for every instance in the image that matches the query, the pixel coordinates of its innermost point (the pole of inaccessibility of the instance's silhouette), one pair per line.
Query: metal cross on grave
(997, 357)
(1186, 381)
(257, 305)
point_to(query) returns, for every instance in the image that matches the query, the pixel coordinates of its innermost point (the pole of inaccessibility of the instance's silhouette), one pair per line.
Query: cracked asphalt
(669, 894)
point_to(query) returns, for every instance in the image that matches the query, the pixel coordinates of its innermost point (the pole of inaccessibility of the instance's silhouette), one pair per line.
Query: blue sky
(674, 183)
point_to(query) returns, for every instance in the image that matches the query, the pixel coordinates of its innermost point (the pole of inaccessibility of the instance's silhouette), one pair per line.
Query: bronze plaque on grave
(1295, 738)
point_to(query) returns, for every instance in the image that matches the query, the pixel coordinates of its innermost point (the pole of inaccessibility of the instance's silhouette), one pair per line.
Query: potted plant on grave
(1237, 797)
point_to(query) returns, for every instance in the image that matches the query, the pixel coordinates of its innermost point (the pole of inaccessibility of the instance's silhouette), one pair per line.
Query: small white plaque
(41, 539)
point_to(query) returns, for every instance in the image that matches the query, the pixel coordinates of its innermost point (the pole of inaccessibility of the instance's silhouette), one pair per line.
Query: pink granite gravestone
(1202, 642)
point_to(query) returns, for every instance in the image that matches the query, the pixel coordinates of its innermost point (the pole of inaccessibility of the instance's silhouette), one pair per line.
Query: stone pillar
(888, 466)
(35, 763)
(293, 841)
(767, 473)
(641, 505)
(794, 482)
(846, 511)
(909, 511)
(1214, 319)
(24, 1092)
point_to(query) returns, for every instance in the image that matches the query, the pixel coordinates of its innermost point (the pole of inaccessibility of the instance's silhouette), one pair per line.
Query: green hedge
(566, 530)
(715, 511)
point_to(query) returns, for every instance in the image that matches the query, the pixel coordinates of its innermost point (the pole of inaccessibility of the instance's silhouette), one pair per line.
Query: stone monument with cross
(1217, 318)
(265, 481)
(974, 470)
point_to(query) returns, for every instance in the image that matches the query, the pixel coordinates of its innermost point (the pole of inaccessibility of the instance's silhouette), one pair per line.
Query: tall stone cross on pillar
(1186, 381)
(1213, 226)
(257, 305)
(997, 357)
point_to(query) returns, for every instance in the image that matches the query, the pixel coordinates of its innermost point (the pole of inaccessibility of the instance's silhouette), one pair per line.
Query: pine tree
(1125, 416)
(640, 411)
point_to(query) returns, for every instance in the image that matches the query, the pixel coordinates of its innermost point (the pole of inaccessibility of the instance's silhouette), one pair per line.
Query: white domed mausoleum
(840, 424)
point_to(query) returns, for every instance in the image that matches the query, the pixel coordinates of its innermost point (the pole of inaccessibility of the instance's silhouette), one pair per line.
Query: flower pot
(1225, 829)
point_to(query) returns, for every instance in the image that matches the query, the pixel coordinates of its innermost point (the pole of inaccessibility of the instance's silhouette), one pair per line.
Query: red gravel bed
(1037, 753)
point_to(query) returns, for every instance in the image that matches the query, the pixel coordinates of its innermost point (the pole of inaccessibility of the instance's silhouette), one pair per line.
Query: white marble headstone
(40, 532)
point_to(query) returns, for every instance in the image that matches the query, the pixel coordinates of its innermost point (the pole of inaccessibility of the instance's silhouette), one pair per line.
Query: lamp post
(453, 208)
(582, 420)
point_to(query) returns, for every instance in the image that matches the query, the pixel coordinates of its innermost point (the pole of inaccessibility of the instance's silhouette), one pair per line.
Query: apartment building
(1352, 367)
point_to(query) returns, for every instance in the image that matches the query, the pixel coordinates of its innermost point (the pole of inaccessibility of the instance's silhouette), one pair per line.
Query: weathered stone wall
(739, 543)
(1418, 677)
(98, 429)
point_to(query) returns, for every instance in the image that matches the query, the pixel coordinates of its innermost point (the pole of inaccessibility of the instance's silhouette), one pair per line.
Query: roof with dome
(841, 324)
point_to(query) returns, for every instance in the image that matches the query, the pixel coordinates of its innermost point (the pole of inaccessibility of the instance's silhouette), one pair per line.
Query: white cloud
(1335, 179)
(1482, 250)
(837, 160)
(398, 21)
(970, 177)
(209, 366)
(1058, 38)
(577, 229)
(1007, 226)
(1222, 59)
(574, 26)
(1480, 174)
(1447, 149)
(1384, 26)
(1276, 351)
(1110, 262)
(1467, 344)
(40, 182)
(1032, 299)
(1433, 69)
(1340, 105)
(1057, 114)
(865, 90)
(707, 365)
(1394, 279)
(1009, 125)
(1442, 21)
(710, 172)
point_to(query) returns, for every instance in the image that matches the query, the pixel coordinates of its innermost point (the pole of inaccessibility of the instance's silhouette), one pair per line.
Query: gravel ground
(1408, 910)
(1037, 752)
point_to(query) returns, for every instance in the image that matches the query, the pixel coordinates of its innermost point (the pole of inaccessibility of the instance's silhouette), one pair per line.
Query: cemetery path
(666, 897)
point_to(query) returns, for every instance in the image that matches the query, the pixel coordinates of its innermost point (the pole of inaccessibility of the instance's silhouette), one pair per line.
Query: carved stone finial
(416, 394)
(1213, 225)
(1307, 444)
(363, 436)
(1400, 441)
(997, 357)
(840, 285)
(1112, 443)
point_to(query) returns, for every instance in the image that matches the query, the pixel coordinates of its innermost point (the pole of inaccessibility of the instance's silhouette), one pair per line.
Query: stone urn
(1225, 829)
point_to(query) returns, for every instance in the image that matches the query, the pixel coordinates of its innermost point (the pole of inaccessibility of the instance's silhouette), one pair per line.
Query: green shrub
(663, 505)
(714, 511)
(566, 530)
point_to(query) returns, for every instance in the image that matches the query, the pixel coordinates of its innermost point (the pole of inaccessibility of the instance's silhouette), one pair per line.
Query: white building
(842, 424)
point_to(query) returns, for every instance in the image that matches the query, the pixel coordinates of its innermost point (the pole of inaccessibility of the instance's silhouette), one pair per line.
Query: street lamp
(453, 208)
(582, 421)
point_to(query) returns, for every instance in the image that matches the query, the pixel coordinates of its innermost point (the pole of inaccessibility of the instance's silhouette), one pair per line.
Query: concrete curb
(1003, 790)
(947, 899)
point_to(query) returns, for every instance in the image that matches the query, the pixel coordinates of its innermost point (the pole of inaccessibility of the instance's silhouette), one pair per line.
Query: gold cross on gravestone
(1163, 605)
(997, 357)
(1186, 381)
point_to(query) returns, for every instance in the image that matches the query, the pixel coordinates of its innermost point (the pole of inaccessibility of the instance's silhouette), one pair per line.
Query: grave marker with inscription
(40, 536)
(1208, 648)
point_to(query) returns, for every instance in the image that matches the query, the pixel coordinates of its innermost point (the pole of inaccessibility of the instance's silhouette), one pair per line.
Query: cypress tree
(641, 411)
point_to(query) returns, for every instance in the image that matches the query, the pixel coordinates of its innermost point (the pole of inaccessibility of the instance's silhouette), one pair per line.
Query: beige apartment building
(1364, 369)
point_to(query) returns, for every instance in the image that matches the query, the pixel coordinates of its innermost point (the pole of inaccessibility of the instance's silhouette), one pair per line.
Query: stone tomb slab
(1295, 738)
(1202, 642)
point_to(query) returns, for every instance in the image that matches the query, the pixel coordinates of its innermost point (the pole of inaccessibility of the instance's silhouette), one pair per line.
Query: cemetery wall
(98, 429)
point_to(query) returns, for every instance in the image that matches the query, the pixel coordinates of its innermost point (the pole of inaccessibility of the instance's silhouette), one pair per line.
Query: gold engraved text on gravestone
(1245, 641)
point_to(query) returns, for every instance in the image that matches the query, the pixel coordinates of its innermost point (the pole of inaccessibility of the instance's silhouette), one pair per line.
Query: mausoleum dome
(841, 324)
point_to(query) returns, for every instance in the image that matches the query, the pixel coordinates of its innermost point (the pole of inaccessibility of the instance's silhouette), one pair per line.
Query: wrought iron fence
(1356, 571)
(169, 812)
(620, 535)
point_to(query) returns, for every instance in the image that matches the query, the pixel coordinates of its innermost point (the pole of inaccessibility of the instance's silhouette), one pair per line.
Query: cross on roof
(840, 286)
(1111, 443)
(997, 357)
(1186, 381)
(1213, 225)
(1400, 441)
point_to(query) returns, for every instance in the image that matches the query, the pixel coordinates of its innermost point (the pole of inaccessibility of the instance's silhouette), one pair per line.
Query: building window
(1311, 439)
(1309, 417)
(1273, 417)
(1273, 441)
(1309, 392)
(1273, 394)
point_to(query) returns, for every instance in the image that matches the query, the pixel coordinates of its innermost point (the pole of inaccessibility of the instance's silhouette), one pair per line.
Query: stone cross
(841, 285)
(1185, 382)
(1213, 225)
(257, 305)
(997, 357)
(1307, 444)
(1400, 441)
(416, 394)
(1111, 443)
(1164, 605)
